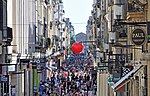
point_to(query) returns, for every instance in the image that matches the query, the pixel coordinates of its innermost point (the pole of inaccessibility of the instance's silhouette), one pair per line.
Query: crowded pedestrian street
(74, 47)
(74, 78)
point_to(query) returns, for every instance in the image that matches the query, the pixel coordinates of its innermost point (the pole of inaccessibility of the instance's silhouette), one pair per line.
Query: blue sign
(4, 78)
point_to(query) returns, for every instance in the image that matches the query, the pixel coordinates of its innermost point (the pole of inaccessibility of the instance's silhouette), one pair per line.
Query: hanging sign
(138, 37)
(148, 32)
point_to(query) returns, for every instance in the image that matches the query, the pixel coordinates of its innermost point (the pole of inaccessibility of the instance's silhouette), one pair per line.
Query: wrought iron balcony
(135, 6)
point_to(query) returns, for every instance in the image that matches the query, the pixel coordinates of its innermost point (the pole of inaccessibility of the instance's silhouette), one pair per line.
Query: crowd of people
(75, 80)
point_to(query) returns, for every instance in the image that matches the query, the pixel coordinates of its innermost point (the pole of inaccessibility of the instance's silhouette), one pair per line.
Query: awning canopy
(118, 83)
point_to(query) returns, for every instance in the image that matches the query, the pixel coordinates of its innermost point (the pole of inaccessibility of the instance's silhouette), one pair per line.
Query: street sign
(4, 78)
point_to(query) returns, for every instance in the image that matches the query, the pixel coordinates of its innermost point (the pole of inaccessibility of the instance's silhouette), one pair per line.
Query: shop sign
(109, 79)
(148, 32)
(138, 37)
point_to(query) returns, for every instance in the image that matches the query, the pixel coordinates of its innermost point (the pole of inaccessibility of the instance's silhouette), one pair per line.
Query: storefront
(132, 84)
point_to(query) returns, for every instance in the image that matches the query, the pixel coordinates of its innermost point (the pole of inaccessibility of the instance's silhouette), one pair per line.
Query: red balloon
(76, 47)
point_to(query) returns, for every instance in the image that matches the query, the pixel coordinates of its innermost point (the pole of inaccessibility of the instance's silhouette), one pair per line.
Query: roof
(126, 77)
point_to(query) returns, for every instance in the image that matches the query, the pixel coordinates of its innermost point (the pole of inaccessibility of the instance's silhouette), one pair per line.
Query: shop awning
(123, 79)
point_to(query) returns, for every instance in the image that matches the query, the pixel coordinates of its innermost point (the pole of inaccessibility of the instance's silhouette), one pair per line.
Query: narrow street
(74, 47)
(74, 78)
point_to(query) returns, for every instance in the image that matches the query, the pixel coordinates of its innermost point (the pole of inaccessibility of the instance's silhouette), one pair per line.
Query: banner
(35, 80)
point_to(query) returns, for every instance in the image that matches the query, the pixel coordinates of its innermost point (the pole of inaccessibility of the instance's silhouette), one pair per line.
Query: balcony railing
(135, 7)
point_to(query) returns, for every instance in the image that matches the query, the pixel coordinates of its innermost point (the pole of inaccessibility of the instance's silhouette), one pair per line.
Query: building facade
(40, 30)
(82, 38)
(5, 41)
(121, 29)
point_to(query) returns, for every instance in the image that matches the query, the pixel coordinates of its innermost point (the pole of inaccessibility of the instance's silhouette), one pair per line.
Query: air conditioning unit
(118, 12)
(112, 37)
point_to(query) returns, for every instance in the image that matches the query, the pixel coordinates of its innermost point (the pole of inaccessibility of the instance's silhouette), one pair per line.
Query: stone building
(39, 29)
(121, 29)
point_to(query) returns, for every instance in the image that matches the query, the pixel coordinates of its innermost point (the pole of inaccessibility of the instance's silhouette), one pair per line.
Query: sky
(78, 11)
